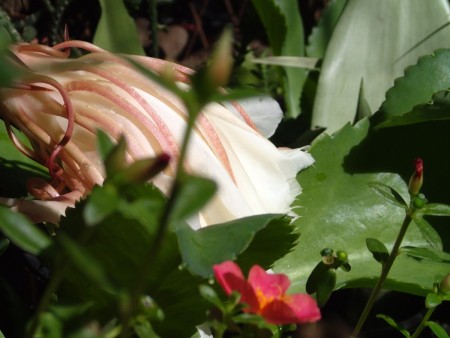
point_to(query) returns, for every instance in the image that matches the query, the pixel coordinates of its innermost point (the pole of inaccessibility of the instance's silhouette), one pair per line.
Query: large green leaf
(430, 75)
(340, 210)
(116, 31)
(321, 34)
(284, 28)
(375, 41)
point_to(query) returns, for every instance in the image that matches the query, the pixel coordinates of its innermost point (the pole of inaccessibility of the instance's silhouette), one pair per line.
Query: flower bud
(222, 60)
(444, 285)
(416, 180)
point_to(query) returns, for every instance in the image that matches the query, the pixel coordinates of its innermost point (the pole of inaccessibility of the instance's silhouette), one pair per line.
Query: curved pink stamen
(78, 44)
(46, 50)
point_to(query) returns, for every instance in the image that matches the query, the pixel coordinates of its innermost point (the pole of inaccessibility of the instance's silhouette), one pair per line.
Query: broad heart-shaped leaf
(116, 30)
(338, 209)
(420, 82)
(284, 28)
(372, 42)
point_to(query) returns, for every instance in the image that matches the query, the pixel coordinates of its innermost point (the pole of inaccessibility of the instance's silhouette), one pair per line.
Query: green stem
(423, 324)
(384, 273)
(51, 288)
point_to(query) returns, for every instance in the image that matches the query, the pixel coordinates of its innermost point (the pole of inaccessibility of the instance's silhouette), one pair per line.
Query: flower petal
(293, 309)
(271, 286)
(230, 277)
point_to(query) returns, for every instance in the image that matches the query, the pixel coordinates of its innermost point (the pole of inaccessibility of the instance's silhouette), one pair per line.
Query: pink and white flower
(61, 102)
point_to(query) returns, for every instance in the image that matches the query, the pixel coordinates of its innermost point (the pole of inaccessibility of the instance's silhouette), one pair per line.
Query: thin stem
(53, 284)
(384, 273)
(423, 324)
(154, 27)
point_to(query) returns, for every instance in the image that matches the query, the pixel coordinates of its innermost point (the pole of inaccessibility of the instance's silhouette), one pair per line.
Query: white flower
(63, 102)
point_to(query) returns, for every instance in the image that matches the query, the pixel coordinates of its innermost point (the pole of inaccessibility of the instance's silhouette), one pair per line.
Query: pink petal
(294, 309)
(230, 277)
(272, 286)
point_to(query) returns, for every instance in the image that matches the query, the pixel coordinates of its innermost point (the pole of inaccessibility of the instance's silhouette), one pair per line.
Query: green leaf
(15, 168)
(322, 32)
(389, 193)
(315, 277)
(4, 244)
(49, 326)
(101, 203)
(144, 330)
(436, 111)
(86, 264)
(394, 324)
(362, 48)
(421, 81)
(438, 330)
(428, 232)
(288, 61)
(194, 192)
(104, 144)
(270, 244)
(201, 249)
(22, 232)
(378, 250)
(325, 287)
(338, 209)
(427, 253)
(276, 16)
(432, 300)
(211, 296)
(435, 209)
(116, 31)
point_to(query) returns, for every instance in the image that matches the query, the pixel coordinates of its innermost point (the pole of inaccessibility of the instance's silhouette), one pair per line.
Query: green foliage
(285, 32)
(378, 250)
(338, 204)
(116, 31)
(438, 330)
(22, 232)
(362, 49)
(395, 325)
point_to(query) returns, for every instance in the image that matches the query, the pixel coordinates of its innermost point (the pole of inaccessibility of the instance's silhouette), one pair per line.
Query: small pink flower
(416, 180)
(265, 294)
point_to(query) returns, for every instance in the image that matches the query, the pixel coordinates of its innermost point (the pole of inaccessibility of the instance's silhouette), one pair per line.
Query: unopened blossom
(416, 180)
(265, 294)
(59, 103)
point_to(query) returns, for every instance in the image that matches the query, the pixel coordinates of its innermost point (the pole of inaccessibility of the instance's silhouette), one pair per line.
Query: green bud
(342, 256)
(419, 201)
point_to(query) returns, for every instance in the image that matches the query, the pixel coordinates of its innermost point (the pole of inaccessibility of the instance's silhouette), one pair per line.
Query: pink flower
(265, 294)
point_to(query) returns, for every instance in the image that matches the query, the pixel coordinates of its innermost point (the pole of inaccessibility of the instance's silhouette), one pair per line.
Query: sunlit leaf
(427, 253)
(428, 232)
(289, 61)
(321, 33)
(420, 82)
(101, 203)
(436, 209)
(338, 209)
(388, 193)
(364, 48)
